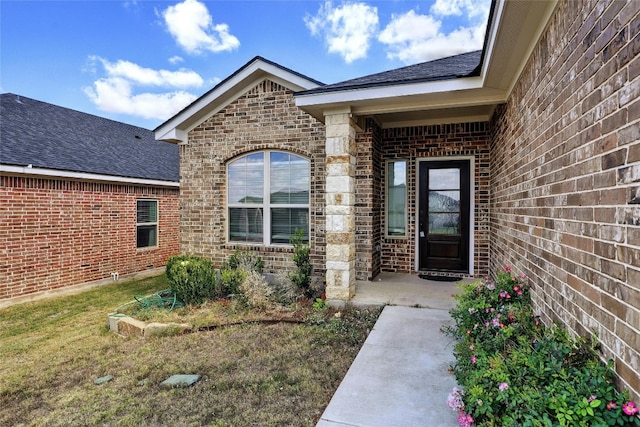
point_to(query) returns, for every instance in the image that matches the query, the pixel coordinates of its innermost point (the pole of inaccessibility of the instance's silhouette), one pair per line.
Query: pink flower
(503, 386)
(507, 268)
(465, 420)
(630, 408)
(611, 405)
(473, 359)
(471, 347)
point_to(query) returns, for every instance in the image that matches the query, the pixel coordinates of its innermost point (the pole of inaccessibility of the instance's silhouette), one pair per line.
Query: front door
(443, 239)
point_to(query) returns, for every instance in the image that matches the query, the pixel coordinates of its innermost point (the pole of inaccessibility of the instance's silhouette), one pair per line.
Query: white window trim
(266, 206)
(156, 223)
(406, 199)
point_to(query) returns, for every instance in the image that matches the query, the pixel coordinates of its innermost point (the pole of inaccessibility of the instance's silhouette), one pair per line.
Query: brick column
(340, 209)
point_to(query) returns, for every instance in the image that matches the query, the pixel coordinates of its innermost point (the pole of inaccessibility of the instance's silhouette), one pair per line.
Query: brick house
(81, 197)
(526, 153)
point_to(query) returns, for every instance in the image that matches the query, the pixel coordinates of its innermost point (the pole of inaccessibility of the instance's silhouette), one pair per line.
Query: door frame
(472, 206)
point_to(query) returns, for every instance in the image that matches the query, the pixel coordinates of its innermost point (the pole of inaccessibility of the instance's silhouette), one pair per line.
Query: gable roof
(463, 65)
(47, 136)
(256, 70)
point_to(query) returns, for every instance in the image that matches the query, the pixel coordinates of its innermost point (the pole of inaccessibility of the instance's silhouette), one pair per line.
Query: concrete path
(399, 377)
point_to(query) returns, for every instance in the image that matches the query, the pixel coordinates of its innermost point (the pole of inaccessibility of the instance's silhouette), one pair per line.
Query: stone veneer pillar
(340, 205)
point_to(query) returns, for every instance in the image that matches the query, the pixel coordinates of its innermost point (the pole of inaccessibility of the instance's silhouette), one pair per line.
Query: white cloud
(413, 38)
(469, 8)
(176, 59)
(347, 29)
(192, 26)
(147, 76)
(114, 93)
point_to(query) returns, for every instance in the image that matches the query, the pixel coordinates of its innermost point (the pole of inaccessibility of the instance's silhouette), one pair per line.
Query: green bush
(516, 372)
(304, 269)
(192, 278)
(234, 271)
(244, 260)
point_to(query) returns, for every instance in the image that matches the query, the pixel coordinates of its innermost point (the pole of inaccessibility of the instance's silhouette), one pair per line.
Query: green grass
(281, 374)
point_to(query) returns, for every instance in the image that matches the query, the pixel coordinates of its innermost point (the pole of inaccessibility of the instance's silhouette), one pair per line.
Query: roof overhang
(177, 128)
(513, 32)
(30, 171)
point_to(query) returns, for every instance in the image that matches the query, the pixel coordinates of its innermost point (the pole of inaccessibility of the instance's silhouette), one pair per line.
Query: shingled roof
(463, 65)
(52, 137)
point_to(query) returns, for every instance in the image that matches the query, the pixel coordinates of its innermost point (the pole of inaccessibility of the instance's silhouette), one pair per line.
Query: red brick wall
(565, 177)
(265, 117)
(57, 233)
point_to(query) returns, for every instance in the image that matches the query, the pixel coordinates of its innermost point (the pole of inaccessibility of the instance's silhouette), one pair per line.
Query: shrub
(244, 260)
(284, 290)
(255, 290)
(234, 271)
(515, 372)
(301, 258)
(192, 278)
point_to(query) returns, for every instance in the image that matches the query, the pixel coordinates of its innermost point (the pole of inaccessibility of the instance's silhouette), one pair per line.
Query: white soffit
(177, 128)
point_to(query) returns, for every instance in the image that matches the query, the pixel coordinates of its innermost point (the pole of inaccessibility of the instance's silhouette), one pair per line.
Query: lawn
(253, 374)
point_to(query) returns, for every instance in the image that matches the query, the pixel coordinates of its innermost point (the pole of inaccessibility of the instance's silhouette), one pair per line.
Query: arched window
(267, 197)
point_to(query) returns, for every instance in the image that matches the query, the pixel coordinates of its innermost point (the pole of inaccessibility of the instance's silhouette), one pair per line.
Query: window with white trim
(147, 223)
(267, 197)
(396, 198)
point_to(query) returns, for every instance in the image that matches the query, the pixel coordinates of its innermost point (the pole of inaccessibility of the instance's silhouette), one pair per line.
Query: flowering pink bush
(514, 371)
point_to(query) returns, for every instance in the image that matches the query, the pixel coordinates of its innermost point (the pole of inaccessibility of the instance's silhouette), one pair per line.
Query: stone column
(340, 201)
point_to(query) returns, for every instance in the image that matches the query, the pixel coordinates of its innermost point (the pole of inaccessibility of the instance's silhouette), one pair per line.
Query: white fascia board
(177, 128)
(52, 173)
(491, 39)
(174, 135)
(391, 91)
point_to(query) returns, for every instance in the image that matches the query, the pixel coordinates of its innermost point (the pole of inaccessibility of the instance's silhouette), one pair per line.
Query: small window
(268, 197)
(397, 198)
(147, 223)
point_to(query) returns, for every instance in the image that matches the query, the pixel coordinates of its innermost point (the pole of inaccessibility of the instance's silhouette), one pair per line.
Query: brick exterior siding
(58, 233)
(375, 251)
(263, 118)
(565, 177)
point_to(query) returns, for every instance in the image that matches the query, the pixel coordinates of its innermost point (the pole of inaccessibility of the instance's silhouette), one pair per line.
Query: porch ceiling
(511, 35)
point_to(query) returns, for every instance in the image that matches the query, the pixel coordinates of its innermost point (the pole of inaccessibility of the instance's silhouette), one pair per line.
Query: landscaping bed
(514, 371)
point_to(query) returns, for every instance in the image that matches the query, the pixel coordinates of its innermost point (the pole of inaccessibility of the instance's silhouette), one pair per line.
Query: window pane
(147, 211)
(289, 179)
(444, 223)
(444, 179)
(147, 235)
(396, 198)
(285, 221)
(444, 201)
(245, 224)
(246, 179)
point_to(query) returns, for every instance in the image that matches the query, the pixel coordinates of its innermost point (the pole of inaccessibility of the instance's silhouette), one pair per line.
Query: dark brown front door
(443, 240)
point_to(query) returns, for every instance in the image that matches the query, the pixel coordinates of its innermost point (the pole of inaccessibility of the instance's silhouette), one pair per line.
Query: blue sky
(141, 61)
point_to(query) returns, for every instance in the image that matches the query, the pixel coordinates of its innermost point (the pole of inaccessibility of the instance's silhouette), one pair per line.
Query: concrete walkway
(399, 377)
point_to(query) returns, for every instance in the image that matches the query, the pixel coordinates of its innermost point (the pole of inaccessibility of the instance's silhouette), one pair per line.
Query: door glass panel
(444, 201)
(444, 179)
(444, 223)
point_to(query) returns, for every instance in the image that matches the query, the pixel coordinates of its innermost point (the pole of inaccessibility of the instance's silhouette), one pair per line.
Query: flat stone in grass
(103, 380)
(180, 381)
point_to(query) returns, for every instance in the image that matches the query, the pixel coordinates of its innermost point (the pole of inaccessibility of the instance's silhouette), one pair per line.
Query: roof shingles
(52, 137)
